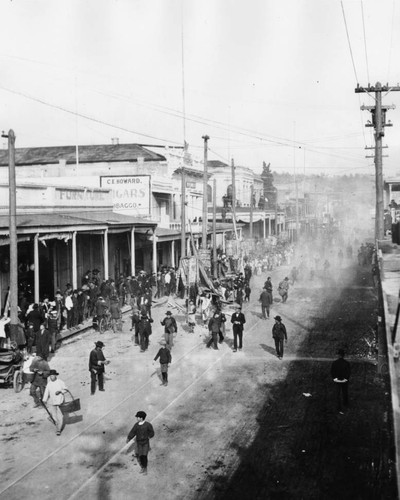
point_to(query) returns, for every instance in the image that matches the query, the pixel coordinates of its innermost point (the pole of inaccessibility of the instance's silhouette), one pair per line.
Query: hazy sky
(266, 80)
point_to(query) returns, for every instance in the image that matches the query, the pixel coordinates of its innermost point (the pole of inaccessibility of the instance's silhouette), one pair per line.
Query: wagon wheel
(18, 381)
(102, 325)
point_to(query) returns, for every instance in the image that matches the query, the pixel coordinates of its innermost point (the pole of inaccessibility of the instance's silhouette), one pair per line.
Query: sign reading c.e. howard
(131, 193)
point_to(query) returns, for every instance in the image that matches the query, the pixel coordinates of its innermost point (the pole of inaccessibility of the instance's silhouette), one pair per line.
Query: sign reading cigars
(131, 193)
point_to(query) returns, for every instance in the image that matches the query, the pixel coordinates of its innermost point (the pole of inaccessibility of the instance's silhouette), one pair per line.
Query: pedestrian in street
(191, 316)
(115, 311)
(54, 393)
(340, 372)
(143, 431)
(247, 291)
(238, 320)
(279, 335)
(214, 327)
(145, 331)
(43, 340)
(135, 322)
(164, 353)
(266, 301)
(40, 369)
(283, 289)
(170, 328)
(97, 363)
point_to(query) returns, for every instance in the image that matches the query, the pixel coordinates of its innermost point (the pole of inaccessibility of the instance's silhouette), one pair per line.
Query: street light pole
(13, 294)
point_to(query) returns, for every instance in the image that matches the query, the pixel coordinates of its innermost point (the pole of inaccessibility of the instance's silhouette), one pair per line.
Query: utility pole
(234, 197)
(251, 210)
(205, 194)
(13, 294)
(378, 113)
(214, 229)
(183, 214)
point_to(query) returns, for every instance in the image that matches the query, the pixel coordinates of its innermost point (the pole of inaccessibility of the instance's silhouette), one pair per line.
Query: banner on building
(205, 257)
(188, 266)
(131, 193)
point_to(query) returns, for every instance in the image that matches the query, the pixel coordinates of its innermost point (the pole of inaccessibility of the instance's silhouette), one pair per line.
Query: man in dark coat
(238, 320)
(170, 327)
(97, 361)
(165, 359)
(143, 431)
(279, 334)
(266, 301)
(340, 372)
(43, 339)
(145, 331)
(41, 371)
(214, 327)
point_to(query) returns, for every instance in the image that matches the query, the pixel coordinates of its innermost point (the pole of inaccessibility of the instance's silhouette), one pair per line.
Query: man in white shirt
(54, 393)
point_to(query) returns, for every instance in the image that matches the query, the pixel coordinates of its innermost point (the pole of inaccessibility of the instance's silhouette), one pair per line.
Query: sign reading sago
(131, 193)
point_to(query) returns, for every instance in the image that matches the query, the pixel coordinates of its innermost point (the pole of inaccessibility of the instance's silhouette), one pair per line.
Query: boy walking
(54, 393)
(165, 359)
(143, 431)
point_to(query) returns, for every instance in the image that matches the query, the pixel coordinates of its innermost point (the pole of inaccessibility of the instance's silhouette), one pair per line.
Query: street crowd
(40, 324)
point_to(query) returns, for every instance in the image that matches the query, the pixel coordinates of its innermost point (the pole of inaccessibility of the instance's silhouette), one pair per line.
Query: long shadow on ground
(304, 449)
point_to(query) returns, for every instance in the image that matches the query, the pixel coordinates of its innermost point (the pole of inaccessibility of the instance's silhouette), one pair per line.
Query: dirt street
(242, 425)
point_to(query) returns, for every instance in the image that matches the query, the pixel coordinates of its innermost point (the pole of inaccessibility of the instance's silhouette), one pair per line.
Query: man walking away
(214, 327)
(165, 359)
(238, 320)
(143, 431)
(340, 372)
(279, 334)
(97, 362)
(266, 301)
(54, 393)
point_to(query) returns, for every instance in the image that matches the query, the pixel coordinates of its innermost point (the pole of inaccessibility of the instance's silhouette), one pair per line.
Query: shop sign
(131, 193)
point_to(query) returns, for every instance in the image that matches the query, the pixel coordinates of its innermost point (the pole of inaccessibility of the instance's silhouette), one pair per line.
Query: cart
(11, 361)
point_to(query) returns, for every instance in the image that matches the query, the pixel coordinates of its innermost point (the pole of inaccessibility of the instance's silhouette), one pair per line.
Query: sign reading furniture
(131, 193)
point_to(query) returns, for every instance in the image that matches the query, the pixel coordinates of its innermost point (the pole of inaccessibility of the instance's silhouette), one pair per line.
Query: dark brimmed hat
(278, 318)
(168, 313)
(99, 343)
(341, 352)
(141, 414)
(53, 372)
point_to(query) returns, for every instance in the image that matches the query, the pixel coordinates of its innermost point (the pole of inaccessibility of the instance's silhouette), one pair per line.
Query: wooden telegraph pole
(13, 294)
(378, 113)
(205, 197)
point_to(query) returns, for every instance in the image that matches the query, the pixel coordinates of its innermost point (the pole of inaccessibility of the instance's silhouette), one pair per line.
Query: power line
(348, 40)
(86, 117)
(365, 39)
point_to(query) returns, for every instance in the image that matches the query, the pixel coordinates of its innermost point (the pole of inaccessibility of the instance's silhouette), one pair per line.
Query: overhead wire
(348, 40)
(365, 40)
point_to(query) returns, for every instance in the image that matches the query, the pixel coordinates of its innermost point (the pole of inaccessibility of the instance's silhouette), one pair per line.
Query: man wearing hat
(54, 393)
(340, 372)
(170, 327)
(41, 370)
(145, 331)
(143, 431)
(97, 361)
(279, 335)
(283, 289)
(164, 354)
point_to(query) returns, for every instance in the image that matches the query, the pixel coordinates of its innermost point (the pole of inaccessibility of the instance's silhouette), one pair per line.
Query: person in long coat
(238, 320)
(97, 362)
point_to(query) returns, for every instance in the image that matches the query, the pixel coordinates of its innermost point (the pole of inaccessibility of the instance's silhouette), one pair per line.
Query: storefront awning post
(36, 267)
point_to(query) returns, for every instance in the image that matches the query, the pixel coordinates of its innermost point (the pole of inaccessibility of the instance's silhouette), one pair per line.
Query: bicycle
(105, 323)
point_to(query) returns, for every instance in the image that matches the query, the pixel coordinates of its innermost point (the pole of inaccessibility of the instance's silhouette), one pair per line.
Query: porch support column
(154, 252)
(269, 226)
(173, 253)
(133, 263)
(224, 241)
(106, 254)
(36, 267)
(74, 263)
(264, 235)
